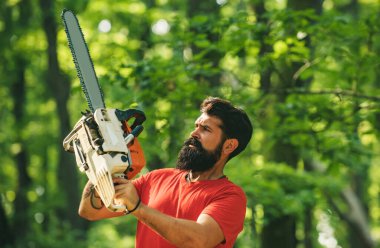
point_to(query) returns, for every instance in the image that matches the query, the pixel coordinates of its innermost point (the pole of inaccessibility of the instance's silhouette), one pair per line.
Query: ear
(230, 145)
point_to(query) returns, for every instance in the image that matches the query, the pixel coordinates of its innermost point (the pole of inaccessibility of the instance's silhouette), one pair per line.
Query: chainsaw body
(105, 147)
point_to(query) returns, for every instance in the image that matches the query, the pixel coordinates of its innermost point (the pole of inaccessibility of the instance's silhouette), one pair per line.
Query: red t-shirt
(168, 191)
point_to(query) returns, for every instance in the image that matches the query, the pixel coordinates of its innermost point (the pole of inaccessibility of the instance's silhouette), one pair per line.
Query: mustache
(194, 142)
(193, 156)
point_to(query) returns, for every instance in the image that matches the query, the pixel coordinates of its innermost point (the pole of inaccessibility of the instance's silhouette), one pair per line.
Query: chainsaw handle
(135, 132)
(126, 115)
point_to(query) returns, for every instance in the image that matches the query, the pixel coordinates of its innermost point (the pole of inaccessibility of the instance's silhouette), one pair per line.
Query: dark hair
(235, 122)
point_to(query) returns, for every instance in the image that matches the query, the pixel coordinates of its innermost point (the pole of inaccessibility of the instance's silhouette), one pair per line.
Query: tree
(59, 86)
(306, 72)
(16, 68)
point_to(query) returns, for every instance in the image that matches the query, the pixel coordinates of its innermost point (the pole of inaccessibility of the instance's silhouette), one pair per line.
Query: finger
(120, 180)
(118, 194)
(120, 191)
(120, 187)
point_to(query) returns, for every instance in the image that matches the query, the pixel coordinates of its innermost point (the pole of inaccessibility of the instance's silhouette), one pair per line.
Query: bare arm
(91, 207)
(205, 232)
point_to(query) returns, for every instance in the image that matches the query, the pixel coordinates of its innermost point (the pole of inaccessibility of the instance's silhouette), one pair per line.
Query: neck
(214, 173)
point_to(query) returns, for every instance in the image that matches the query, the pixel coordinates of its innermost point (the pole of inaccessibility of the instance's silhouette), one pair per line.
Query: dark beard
(196, 158)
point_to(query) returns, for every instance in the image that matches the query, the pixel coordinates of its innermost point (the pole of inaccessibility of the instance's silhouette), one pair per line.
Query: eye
(203, 127)
(206, 128)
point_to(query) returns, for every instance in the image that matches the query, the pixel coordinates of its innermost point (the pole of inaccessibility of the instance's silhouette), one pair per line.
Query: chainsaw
(104, 144)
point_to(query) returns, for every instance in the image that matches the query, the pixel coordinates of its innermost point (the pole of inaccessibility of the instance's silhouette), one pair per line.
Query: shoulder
(228, 188)
(224, 192)
(164, 172)
(161, 174)
(157, 180)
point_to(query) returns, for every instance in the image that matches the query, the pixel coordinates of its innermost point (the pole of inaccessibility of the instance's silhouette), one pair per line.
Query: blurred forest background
(307, 72)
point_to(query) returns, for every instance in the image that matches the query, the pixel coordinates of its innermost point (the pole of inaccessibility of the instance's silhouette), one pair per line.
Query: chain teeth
(79, 74)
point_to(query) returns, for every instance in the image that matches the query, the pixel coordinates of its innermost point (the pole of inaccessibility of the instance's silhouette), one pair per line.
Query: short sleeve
(228, 210)
(148, 179)
(139, 183)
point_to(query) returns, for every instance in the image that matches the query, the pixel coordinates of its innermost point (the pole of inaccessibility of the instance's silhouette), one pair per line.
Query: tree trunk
(59, 86)
(308, 228)
(14, 67)
(6, 234)
(213, 56)
(354, 213)
(360, 177)
(359, 183)
(280, 231)
(309, 225)
(21, 203)
(266, 68)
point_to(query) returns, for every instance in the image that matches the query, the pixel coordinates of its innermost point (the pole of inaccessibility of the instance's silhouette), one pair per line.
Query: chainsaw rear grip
(126, 115)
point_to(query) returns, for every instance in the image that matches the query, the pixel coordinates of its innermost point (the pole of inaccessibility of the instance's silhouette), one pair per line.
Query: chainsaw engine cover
(98, 141)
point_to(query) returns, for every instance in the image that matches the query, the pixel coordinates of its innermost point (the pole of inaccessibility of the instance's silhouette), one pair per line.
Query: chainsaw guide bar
(83, 63)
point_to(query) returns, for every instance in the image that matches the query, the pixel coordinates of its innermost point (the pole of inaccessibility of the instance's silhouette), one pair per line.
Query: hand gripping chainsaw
(104, 144)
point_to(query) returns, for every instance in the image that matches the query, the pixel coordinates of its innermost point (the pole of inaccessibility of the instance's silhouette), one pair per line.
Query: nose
(195, 133)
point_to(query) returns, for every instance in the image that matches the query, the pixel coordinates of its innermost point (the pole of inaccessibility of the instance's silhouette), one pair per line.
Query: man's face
(203, 149)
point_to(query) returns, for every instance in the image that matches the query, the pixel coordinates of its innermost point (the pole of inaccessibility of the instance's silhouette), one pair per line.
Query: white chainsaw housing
(101, 152)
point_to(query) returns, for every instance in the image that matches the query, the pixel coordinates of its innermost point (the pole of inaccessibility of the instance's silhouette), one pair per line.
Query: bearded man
(193, 205)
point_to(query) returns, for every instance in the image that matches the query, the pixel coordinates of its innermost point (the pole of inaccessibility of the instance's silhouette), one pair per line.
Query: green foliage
(319, 104)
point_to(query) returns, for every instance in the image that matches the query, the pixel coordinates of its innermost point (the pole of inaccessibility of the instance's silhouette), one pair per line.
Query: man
(194, 205)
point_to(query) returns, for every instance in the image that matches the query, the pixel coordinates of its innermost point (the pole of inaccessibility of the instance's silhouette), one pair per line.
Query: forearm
(91, 207)
(179, 232)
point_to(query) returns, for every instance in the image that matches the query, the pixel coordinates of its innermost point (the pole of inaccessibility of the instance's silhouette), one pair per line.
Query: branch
(337, 92)
(355, 215)
(300, 91)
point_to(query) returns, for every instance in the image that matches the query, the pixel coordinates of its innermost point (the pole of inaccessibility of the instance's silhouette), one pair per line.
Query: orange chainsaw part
(137, 154)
